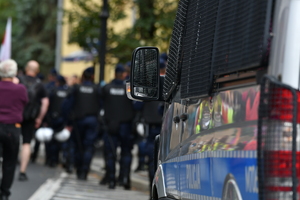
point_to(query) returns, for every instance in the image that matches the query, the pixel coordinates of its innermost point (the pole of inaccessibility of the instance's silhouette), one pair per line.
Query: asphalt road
(37, 175)
(47, 183)
(54, 184)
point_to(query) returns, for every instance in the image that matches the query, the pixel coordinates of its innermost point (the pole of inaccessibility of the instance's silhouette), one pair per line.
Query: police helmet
(62, 135)
(44, 134)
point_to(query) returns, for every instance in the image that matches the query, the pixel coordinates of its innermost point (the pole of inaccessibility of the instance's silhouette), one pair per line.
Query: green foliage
(6, 12)
(84, 27)
(153, 25)
(34, 30)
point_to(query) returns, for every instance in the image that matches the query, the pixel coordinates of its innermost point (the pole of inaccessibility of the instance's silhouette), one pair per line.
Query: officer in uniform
(55, 118)
(83, 105)
(152, 119)
(49, 86)
(118, 116)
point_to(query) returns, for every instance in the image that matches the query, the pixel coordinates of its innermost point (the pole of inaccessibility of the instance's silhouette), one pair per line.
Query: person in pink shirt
(12, 102)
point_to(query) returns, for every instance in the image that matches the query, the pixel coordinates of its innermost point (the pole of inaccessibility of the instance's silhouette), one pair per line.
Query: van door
(194, 162)
(170, 165)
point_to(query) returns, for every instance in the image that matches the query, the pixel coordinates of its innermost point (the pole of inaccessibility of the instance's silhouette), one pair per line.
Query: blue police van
(232, 101)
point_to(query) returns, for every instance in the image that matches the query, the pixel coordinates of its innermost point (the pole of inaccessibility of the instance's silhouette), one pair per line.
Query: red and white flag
(5, 51)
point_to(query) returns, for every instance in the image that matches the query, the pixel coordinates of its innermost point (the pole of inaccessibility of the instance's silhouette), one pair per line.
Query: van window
(206, 43)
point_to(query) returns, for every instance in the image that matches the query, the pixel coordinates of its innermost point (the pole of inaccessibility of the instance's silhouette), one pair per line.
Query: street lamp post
(104, 14)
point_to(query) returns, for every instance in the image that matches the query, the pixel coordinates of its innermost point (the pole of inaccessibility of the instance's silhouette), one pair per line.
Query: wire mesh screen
(242, 35)
(197, 47)
(212, 38)
(172, 73)
(146, 73)
(277, 145)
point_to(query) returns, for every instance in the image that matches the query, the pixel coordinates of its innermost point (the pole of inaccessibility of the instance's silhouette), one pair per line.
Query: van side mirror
(144, 79)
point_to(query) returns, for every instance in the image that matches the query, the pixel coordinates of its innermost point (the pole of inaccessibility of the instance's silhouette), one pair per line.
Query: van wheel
(231, 190)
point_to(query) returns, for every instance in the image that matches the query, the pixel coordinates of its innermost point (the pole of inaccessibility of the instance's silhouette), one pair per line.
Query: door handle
(176, 119)
(184, 117)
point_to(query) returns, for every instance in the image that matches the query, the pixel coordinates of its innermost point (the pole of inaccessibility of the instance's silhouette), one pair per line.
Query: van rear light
(279, 143)
(282, 105)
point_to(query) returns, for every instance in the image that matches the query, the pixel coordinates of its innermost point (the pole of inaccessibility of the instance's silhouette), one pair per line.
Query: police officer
(49, 86)
(118, 116)
(55, 118)
(83, 106)
(153, 119)
(141, 142)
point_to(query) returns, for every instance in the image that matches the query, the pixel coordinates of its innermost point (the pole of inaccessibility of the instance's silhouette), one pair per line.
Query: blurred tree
(34, 30)
(36, 36)
(153, 25)
(6, 12)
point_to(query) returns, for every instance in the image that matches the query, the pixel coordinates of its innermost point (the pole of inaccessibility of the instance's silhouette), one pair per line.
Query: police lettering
(251, 179)
(193, 176)
(84, 89)
(117, 91)
(61, 94)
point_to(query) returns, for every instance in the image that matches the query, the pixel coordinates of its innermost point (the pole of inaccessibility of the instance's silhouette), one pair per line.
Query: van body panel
(216, 141)
(242, 168)
(159, 182)
(171, 137)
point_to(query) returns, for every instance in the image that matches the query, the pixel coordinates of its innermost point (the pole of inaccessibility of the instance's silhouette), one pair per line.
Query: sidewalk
(139, 180)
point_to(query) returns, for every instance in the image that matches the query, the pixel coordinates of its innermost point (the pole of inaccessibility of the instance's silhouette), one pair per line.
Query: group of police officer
(77, 109)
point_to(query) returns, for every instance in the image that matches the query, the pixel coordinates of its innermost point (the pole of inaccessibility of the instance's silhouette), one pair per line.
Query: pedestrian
(81, 108)
(34, 112)
(118, 115)
(11, 110)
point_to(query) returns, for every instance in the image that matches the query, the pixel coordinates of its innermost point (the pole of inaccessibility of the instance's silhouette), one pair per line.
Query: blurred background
(73, 34)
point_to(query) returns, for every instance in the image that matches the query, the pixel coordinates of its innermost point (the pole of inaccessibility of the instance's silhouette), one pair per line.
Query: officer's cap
(61, 79)
(164, 56)
(53, 72)
(119, 68)
(162, 64)
(90, 70)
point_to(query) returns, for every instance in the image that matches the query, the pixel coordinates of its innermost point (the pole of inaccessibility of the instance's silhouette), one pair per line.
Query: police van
(232, 101)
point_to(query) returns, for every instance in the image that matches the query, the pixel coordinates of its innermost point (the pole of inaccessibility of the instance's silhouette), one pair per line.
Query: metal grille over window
(278, 141)
(242, 35)
(172, 73)
(146, 66)
(197, 47)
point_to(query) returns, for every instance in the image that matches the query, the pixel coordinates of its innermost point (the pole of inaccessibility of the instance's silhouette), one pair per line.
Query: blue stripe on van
(191, 174)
